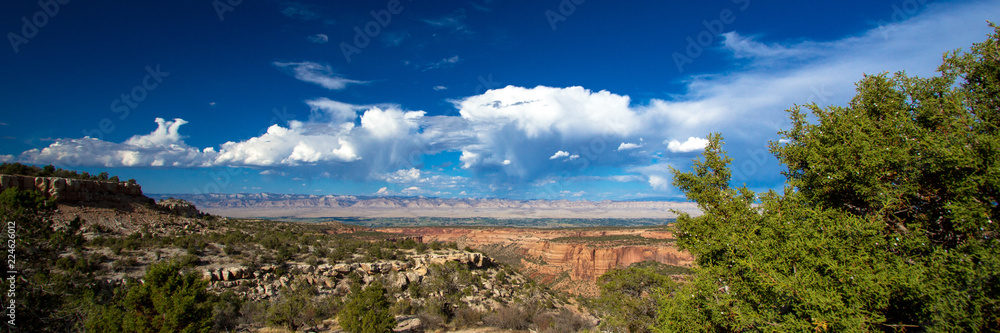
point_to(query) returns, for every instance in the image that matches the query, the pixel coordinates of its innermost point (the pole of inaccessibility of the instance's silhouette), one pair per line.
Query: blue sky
(566, 99)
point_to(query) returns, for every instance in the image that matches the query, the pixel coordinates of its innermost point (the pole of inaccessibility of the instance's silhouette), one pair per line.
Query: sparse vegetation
(367, 311)
(44, 275)
(91, 282)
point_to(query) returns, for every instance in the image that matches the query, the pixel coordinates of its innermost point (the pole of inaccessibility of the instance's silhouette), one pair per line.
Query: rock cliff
(74, 190)
(588, 262)
(118, 206)
(180, 208)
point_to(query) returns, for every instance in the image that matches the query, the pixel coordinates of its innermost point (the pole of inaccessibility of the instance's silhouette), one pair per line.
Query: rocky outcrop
(74, 190)
(264, 282)
(180, 208)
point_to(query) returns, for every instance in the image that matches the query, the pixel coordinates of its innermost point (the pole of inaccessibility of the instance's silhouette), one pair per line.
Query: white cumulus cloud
(658, 182)
(629, 146)
(692, 144)
(163, 147)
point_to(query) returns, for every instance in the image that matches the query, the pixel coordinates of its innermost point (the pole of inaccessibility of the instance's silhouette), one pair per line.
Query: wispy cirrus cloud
(299, 11)
(482, 5)
(393, 38)
(748, 47)
(443, 63)
(320, 74)
(454, 22)
(318, 38)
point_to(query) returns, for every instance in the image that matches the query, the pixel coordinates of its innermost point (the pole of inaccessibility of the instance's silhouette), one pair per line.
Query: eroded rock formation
(73, 190)
(180, 208)
(588, 262)
(583, 261)
(266, 281)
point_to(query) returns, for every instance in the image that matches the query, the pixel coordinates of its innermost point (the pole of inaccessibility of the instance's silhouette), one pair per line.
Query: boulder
(408, 324)
(342, 268)
(397, 281)
(413, 277)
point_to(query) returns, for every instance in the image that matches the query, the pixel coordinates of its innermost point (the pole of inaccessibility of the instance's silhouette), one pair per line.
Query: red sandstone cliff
(587, 262)
(547, 260)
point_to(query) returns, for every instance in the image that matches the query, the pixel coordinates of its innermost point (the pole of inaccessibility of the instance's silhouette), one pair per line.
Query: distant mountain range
(311, 206)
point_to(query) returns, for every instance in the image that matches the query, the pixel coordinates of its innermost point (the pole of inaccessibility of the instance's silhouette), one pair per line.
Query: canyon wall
(74, 190)
(542, 258)
(586, 262)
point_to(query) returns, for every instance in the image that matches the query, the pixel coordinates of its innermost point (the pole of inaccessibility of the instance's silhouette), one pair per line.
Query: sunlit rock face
(547, 260)
(72, 190)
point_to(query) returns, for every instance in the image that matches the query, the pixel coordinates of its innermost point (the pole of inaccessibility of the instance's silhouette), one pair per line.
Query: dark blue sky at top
(223, 78)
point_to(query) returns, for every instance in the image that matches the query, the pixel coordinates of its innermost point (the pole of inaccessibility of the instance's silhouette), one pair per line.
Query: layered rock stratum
(568, 259)
(319, 206)
(74, 190)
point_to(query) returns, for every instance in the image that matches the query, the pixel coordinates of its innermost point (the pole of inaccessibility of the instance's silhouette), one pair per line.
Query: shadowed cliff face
(551, 254)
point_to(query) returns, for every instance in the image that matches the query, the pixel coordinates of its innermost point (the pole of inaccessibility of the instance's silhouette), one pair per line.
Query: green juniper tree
(46, 299)
(627, 302)
(165, 301)
(367, 311)
(885, 223)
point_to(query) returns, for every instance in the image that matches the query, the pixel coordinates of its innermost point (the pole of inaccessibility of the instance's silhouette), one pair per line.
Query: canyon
(569, 259)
